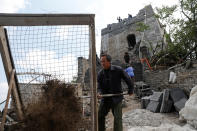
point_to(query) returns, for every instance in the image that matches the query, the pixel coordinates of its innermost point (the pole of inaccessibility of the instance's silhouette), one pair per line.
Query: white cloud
(107, 11)
(63, 68)
(70, 31)
(4, 89)
(12, 6)
(62, 32)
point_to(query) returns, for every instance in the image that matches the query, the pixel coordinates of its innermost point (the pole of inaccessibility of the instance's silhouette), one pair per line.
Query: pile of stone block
(165, 101)
(141, 89)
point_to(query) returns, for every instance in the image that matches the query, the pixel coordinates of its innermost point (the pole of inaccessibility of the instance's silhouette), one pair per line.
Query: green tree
(181, 33)
(141, 27)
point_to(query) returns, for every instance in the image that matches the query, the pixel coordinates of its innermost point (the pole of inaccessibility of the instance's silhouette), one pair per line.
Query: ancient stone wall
(138, 71)
(83, 65)
(186, 79)
(32, 93)
(114, 39)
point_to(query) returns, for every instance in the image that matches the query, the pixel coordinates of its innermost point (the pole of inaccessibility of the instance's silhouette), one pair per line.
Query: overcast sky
(106, 12)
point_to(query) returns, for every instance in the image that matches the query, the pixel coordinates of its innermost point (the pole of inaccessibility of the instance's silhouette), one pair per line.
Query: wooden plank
(7, 100)
(93, 77)
(44, 19)
(8, 70)
(5, 54)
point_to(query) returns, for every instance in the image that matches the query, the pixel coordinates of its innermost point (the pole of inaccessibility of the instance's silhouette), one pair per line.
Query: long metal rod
(31, 81)
(32, 73)
(2, 102)
(106, 95)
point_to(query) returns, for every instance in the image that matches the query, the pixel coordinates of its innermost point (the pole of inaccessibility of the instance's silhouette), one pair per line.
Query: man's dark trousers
(104, 108)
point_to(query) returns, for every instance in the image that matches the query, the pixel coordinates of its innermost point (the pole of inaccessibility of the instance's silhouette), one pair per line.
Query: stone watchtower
(121, 37)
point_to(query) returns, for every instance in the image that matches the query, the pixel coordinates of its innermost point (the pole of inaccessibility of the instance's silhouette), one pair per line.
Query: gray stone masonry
(158, 80)
(33, 92)
(114, 37)
(83, 65)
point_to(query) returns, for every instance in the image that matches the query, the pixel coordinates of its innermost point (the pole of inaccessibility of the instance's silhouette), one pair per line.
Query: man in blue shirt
(130, 72)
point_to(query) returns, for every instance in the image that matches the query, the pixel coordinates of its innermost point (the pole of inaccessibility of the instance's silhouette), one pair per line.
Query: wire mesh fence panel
(48, 51)
(43, 47)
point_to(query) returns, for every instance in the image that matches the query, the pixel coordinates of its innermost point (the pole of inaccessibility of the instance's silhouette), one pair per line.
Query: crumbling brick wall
(33, 92)
(30, 93)
(83, 65)
(186, 79)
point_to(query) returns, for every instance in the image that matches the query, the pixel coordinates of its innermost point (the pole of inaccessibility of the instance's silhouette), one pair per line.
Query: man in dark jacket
(109, 82)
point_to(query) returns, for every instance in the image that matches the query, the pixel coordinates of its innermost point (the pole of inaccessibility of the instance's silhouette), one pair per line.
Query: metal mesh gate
(47, 46)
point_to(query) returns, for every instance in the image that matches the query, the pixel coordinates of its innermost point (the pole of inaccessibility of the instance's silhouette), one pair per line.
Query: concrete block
(166, 94)
(145, 101)
(154, 106)
(157, 96)
(180, 104)
(166, 103)
(166, 107)
(177, 94)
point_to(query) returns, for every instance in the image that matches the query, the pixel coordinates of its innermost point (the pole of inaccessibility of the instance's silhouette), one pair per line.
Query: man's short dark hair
(108, 57)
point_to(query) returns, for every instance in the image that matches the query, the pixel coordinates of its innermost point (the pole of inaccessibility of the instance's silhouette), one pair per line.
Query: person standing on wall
(126, 58)
(109, 82)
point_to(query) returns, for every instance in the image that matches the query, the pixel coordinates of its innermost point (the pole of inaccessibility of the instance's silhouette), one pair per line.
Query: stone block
(145, 101)
(166, 104)
(177, 94)
(157, 96)
(188, 113)
(180, 104)
(141, 89)
(166, 94)
(166, 107)
(193, 91)
(154, 106)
